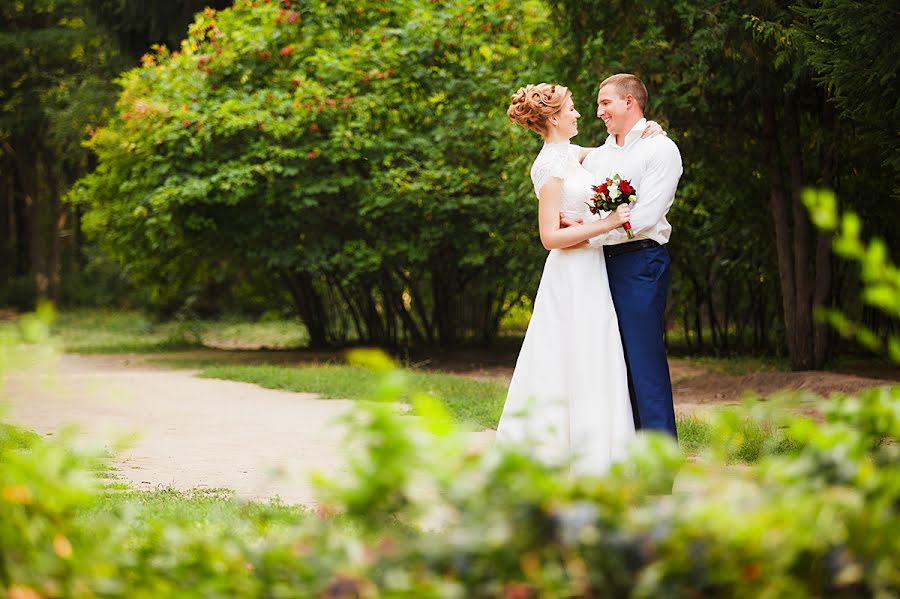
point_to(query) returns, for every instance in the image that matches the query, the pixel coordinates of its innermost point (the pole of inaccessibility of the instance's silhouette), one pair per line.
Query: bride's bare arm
(553, 237)
(652, 130)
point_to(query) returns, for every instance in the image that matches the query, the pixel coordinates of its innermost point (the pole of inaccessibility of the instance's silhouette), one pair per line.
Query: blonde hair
(629, 85)
(532, 105)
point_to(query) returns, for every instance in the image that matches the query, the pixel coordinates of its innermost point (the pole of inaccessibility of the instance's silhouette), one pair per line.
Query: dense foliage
(359, 158)
(424, 517)
(55, 84)
(763, 98)
(352, 163)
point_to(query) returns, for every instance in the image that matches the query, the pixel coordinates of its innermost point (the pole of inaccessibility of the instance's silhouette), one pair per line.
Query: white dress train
(568, 400)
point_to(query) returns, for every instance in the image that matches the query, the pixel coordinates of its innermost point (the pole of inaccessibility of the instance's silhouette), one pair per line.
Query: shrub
(318, 148)
(425, 516)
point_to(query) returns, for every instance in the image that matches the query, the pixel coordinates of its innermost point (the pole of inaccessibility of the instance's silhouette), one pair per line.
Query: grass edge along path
(473, 403)
(477, 404)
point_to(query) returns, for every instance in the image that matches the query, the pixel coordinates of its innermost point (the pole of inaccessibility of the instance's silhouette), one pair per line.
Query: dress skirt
(568, 401)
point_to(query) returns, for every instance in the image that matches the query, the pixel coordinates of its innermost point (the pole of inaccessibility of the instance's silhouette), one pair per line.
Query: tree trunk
(56, 224)
(355, 315)
(392, 291)
(417, 303)
(35, 239)
(21, 210)
(780, 222)
(7, 221)
(443, 279)
(309, 307)
(820, 297)
(726, 315)
(822, 288)
(802, 359)
(23, 253)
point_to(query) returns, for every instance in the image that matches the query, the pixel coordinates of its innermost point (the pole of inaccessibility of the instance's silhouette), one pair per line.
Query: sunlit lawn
(100, 331)
(196, 509)
(473, 403)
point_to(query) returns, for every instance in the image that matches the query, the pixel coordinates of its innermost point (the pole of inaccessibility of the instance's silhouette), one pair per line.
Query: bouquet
(610, 194)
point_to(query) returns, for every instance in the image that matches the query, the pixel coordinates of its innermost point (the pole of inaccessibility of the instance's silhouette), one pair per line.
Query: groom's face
(612, 108)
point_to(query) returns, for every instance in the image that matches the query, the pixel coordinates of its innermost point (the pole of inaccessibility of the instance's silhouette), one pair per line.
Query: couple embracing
(592, 368)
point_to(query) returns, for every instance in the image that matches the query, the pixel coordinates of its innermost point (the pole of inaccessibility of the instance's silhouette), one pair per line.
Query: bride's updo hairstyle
(532, 105)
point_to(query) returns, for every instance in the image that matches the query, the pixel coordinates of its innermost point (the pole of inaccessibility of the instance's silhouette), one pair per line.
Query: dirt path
(193, 432)
(263, 443)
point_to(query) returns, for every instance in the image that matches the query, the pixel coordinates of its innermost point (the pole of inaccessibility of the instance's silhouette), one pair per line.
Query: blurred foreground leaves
(426, 514)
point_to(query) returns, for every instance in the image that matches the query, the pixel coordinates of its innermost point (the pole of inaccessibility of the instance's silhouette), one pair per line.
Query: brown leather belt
(631, 246)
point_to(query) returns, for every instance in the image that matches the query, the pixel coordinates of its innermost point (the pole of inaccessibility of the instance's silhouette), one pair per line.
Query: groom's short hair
(629, 84)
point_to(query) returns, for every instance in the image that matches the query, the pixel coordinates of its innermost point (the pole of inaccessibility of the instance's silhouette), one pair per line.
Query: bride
(568, 402)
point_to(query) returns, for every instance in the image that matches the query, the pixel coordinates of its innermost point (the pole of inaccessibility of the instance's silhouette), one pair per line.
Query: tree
(850, 47)
(359, 155)
(137, 25)
(755, 126)
(56, 82)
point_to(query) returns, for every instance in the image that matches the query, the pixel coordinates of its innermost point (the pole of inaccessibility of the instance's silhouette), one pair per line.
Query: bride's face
(567, 119)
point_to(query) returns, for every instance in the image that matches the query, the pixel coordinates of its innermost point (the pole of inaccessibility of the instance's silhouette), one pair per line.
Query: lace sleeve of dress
(575, 152)
(550, 163)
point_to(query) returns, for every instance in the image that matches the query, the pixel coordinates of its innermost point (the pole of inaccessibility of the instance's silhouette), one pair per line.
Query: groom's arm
(651, 130)
(656, 193)
(659, 184)
(584, 153)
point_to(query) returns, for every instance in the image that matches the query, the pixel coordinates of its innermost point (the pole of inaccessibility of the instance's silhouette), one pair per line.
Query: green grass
(747, 441)
(13, 438)
(117, 331)
(473, 403)
(694, 434)
(196, 509)
(738, 365)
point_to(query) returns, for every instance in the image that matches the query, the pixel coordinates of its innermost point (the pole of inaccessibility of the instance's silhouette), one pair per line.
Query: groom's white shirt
(653, 165)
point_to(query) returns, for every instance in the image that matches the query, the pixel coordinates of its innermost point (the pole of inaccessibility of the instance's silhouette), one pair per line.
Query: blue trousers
(639, 282)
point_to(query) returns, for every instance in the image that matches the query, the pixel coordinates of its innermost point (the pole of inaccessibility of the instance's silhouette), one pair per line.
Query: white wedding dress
(568, 401)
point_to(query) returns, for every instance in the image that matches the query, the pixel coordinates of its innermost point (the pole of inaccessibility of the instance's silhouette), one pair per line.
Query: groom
(639, 269)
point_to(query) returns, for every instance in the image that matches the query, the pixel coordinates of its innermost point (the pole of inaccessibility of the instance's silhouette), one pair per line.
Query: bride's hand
(621, 215)
(565, 221)
(653, 129)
